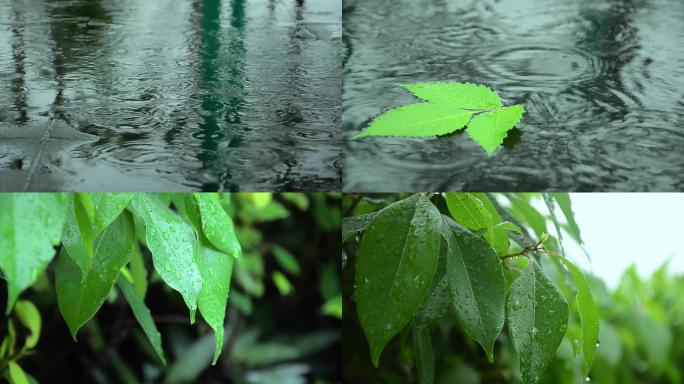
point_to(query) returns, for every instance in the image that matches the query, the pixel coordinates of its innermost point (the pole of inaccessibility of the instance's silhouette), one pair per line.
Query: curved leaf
(30, 317)
(395, 266)
(81, 292)
(31, 225)
(217, 226)
(477, 286)
(172, 243)
(142, 314)
(537, 315)
(355, 224)
(216, 269)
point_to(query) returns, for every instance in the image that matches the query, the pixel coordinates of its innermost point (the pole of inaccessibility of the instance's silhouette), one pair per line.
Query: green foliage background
(640, 321)
(283, 312)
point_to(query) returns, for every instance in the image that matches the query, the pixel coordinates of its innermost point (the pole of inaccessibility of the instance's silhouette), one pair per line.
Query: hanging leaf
(142, 314)
(394, 269)
(216, 225)
(79, 233)
(81, 292)
(172, 243)
(355, 224)
(588, 313)
(450, 106)
(31, 226)
(477, 286)
(537, 315)
(216, 269)
(437, 302)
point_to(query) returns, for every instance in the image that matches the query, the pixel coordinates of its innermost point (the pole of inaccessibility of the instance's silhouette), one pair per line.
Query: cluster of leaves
(107, 239)
(450, 107)
(464, 258)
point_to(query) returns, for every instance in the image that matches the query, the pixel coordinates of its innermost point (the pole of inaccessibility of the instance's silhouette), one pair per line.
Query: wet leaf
(477, 286)
(537, 316)
(489, 129)
(476, 212)
(79, 233)
(108, 206)
(142, 314)
(425, 359)
(355, 224)
(31, 226)
(450, 106)
(395, 266)
(172, 243)
(217, 226)
(437, 302)
(216, 269)
(81, 292)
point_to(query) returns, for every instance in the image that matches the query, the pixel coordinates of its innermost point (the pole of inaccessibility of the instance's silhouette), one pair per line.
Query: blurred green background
(283, 322)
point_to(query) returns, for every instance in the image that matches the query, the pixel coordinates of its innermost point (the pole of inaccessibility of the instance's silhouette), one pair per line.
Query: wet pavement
(602, 82)
(170, 95)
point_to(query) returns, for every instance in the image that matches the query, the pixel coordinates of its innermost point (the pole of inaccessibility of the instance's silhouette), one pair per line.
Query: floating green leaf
(142, 314)
(477, 286)
(450, 106)
(588, 313)
(216, 269)
(394, 269)
(31, 225)
(537, 316)
(172, 243)
(81, 292)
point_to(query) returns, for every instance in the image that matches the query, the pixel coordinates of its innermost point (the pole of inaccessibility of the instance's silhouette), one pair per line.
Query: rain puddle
(170, 95)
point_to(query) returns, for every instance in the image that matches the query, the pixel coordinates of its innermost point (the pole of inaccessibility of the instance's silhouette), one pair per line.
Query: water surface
(170, 95)
(602, 82)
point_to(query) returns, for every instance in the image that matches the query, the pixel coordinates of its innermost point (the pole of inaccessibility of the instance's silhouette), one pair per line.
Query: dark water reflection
(170, 95)
(602, 82)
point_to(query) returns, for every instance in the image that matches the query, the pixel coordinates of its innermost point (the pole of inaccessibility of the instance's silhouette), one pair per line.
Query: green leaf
(286, 260)
(489, 129)
(138, 271)
(418, 120)
(108, 206)
(438, 301)
(462, 95)
(282, 283)
(216, 269)
(537, 315)
(16, 374)
(81, 292)
(476, 212)
(31, 226)
(79, 233)
(563, 200)
(425, 359)
(523, 210)
(477, 286)
(588, 313)
(450, 107)
(333, 307)
(395, 266)
(551, 205)
(30, 317)
(217, 226)
(172, 243)
(142, 314)
(355, 224)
